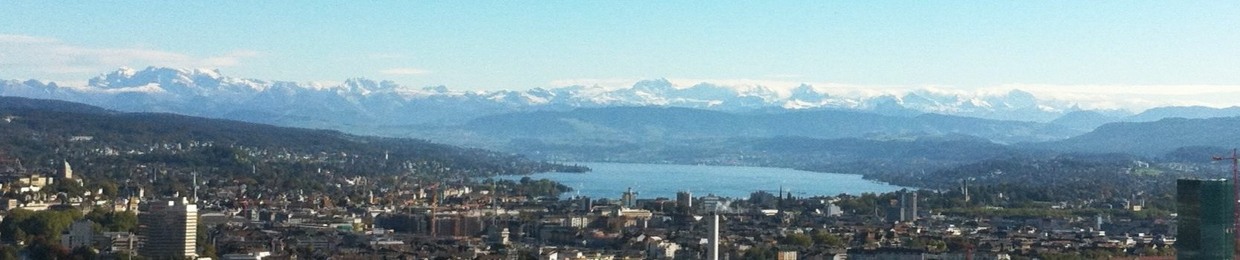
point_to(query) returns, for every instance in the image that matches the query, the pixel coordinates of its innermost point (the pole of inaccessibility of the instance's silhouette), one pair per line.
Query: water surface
(609, 180)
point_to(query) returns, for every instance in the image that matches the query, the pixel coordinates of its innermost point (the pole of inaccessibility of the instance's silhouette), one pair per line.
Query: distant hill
(28, 104)
(639, 124)
(1088, 120)
(1154, 138)
(875, 157)
(40, 130)
(1155, 114)
(1085, 120)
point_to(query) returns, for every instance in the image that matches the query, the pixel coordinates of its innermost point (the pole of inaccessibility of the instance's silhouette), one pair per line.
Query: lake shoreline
(652, 180)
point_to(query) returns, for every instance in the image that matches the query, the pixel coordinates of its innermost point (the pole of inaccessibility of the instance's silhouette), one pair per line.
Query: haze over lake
(609, 180)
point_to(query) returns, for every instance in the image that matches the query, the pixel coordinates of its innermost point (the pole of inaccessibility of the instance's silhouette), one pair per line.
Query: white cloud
(50, 58)
(405, 71)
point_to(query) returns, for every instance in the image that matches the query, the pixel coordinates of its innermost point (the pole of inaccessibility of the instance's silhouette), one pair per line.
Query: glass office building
(1206, 221)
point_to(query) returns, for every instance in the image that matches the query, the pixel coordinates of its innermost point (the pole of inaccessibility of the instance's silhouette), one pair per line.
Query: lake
(609, 180)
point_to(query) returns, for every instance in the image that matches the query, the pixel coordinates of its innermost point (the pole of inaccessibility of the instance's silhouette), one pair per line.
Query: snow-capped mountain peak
(171, 80)
(209, 92)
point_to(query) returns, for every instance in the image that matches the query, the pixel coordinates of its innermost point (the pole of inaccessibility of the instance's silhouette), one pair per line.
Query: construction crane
(1235, 186)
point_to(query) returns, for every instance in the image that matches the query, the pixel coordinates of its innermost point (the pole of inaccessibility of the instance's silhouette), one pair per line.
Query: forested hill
(28, 104)
(1157, 138)
(43, 132)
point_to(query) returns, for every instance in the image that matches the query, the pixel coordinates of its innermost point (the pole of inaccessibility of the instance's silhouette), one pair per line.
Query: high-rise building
(908, 204)
(712, 250)
(1204, 223)
(67, 171)
(903, 208)
(169, 229)
(894, 211)
(586, 203)
(629, 198)
(684, 200)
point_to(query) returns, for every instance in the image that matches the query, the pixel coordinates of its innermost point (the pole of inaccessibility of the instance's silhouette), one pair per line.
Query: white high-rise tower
(713, 251)
(67, 172)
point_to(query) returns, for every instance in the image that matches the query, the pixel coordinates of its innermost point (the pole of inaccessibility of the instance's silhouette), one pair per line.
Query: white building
(247, 256)
(661, 249)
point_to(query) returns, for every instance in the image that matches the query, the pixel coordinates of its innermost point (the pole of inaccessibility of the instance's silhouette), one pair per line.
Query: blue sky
(477, 45)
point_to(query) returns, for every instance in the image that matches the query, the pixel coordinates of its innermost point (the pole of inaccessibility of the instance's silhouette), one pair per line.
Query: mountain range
(209, 93)
(646, 113)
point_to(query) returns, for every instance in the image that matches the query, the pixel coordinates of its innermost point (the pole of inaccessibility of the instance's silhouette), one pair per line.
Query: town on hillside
(161, 210)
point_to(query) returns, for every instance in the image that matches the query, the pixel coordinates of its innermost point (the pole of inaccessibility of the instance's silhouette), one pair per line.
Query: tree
(108, 187)
(128, 255)
(20, 235)
(22, 225)
(209, 251)
(797, 239)
(936, 245)
(124, 221)
(824, 238)
(759, 252)
(43, 248)
(69, 187)
(8, 252)
(50, 223)
(84, 252)
(11, 228)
